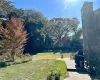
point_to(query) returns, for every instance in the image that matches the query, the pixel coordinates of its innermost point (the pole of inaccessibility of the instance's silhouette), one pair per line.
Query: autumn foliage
(13, 38)
(1, 1)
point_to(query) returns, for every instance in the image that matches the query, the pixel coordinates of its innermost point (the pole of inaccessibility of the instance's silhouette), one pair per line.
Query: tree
(12, 15)
(1, 1)
(59, 29)
(6, 8)
(76, 43)
(31, 15)
(48, 43)
(13, 38)
(78, 34)
(34, 22)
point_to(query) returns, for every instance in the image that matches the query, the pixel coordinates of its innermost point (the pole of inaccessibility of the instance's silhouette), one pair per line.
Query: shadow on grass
(4, 64)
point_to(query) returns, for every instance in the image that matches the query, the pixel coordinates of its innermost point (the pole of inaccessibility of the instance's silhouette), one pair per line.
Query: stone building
(91, 32)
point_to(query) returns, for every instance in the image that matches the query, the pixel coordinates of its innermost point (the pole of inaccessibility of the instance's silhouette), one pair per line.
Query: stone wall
(91, 31)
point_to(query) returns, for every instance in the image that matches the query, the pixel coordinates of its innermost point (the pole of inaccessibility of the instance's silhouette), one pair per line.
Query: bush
(3, 64)
(23, 59)
(9, 63)
(54, 76)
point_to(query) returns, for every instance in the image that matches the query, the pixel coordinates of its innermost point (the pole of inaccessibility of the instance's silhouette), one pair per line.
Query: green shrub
(23, 59)
(9, 63)
(54, 75)
(3, 64)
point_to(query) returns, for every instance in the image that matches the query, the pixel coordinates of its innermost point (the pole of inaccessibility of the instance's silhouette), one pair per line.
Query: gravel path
(73, 75)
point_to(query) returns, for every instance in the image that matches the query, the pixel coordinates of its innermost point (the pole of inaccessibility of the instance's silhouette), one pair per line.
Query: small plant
(54, 75)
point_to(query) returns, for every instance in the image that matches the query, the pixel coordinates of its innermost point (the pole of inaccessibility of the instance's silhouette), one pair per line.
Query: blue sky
(56, 8)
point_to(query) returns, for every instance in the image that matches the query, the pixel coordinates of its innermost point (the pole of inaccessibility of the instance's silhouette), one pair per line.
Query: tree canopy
(59, 29)
(43, 33)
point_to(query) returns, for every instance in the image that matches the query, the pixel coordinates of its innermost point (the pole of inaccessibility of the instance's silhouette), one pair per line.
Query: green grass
(33, 70)
(50, 55)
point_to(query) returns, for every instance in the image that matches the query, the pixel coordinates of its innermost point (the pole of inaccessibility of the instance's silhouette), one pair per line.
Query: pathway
(74, 75)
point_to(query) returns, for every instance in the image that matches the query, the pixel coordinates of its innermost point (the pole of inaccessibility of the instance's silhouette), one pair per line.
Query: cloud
(73, 3)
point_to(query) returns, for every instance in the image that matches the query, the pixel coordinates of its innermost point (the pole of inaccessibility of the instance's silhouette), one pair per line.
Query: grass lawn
(33, 70)
(50, 55)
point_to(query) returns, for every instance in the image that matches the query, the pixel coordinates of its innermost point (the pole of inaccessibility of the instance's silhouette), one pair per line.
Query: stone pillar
(91, 37)
(88, 25)
(97, 32)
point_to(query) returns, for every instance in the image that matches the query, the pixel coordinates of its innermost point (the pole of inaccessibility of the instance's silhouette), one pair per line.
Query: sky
(56, 8)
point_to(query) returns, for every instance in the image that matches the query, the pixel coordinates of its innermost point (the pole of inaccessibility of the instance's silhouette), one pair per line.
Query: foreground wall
(91, 32)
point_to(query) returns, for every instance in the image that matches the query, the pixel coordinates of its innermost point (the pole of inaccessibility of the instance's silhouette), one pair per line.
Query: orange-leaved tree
(13, 38)
(1, 1)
